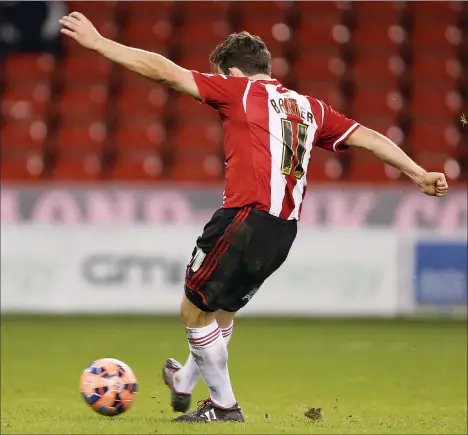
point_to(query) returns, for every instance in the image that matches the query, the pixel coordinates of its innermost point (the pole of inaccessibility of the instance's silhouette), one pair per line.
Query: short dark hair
(244, 51)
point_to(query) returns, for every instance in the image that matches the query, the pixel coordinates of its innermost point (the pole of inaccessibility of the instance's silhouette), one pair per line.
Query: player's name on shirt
(289, 106)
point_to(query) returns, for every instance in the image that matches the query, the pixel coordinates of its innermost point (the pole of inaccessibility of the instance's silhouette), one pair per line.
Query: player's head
(241, 54)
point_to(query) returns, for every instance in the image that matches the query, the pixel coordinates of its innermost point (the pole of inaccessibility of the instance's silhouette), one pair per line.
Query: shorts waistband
(273, 217)
(265, 214)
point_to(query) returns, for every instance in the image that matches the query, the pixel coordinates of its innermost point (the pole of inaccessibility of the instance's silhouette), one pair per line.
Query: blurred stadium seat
(21, 164)
(140, 133)
(326, 90)
(320, 34)
(371, 12)
(324, 166)
(83, 104)
(77, 163)
(85, 135)
(25, 100)
(149, 33)
(434, 136)
(28, 67)
(137, 165)
(24, 134)
(196, 165)
(85, 70)
(203, 35)
(364, 169)
(372, 102)
(435, 100)
(322, 9)
(320, 67)
(141, 102)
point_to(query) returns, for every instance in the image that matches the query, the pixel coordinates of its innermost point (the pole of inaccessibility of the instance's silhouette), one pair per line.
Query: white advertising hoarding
(140, 269)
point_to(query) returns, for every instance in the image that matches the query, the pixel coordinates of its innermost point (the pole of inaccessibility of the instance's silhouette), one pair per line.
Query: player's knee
(224, 318)
(193, 317)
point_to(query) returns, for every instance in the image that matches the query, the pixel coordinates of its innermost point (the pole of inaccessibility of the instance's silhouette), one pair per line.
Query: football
(108, 386)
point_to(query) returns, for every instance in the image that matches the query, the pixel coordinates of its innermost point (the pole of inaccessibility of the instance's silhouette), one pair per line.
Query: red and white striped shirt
(269, 133)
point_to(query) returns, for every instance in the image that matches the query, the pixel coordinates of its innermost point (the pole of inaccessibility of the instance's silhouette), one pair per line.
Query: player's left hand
(433, 184)
(78, 27)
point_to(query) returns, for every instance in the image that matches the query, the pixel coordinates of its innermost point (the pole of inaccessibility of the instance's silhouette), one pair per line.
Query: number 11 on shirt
(294, 139)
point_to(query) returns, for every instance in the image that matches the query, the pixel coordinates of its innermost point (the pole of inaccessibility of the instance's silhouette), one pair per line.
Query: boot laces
(202, 403)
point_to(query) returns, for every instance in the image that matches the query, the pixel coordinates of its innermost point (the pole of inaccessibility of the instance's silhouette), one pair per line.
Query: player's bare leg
(209, 352)
(225, 319)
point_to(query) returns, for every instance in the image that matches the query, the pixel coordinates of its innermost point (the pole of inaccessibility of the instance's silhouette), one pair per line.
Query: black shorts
(238, 250)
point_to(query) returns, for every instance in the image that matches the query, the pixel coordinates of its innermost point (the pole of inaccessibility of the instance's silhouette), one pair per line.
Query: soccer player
(269, 133)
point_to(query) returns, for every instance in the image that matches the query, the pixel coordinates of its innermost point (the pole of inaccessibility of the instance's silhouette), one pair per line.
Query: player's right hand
(433, 184)
(78, 27)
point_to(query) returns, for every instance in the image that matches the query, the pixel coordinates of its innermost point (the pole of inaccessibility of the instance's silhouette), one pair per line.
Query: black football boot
(208, 412)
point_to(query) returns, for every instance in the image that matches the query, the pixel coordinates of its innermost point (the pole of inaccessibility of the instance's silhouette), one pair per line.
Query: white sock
(188, 376)
(209, 352)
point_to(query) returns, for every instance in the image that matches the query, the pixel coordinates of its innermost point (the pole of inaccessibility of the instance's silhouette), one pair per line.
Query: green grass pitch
(368, 376)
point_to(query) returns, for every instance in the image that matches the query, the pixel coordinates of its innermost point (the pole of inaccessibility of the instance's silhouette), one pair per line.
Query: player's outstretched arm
(145, 63)
(431, 183)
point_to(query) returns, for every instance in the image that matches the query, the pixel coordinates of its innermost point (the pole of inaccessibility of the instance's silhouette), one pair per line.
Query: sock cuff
(203, 337)
(222, 407)
(203, 330)
(227, 331)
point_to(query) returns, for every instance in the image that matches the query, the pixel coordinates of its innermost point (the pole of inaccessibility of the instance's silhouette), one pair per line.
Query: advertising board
(440, 271)
(140, 269)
